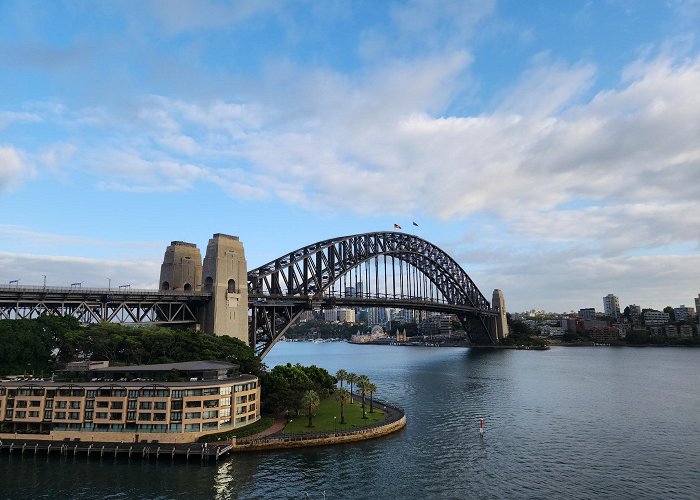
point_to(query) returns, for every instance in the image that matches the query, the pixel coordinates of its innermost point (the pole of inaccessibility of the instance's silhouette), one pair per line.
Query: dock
(191, 452)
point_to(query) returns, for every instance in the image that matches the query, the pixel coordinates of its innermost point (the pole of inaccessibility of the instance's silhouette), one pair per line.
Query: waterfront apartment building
(587, 313)
(611, 306)
(683, 313)
(656, 318)
(167, 403)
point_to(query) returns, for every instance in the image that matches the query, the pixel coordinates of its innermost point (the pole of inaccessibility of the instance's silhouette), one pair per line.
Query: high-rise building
(611, 306)
(697, 303)
(587, 313)
(683, 313)
(635, 313)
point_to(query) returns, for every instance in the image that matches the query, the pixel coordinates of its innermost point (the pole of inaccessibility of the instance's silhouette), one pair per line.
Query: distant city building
(685, 331)
(697, 303)
(306, 316)
(654, 318)
(671, 331)
(376, 316)
(587, 313)
(611, 306)
(330, 315)
(350, 291)
(635, 313)
(440, 324)
(346, 315)
(683, 313)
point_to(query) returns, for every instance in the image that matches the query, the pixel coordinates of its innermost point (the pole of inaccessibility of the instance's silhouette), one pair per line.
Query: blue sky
(551, 147)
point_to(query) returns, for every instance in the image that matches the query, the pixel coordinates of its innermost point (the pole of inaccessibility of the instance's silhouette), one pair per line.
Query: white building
(330, 315)
(611, 306)
(346, 315)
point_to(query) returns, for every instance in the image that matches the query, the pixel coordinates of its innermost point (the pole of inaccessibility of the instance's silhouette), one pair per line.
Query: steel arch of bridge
(279, 291)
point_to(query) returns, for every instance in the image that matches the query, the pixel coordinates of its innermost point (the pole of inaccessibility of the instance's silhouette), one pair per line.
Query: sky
(551, 147)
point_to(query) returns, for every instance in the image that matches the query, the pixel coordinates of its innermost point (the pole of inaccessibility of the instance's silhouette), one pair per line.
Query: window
(103, 404)
(178, 394)
(90, 403)
(207, 426)
(74, 415)
(75, 405)
(211, 403)
(225, 391)
(131, 404)
(60, 415)
(20, 414)
(176, 405)
(159, 417)
(33, 414)
(192, 427)
(144, 416)
(21, 404)
(117, 405)
(48, 414)
(225, 412)
(175, 427)
(61, 404)
(194, 404)
(115, 415)
(91, 393)
(210, 390)
(210, 414)
(35, 404)
(175, 415)
(193, 392)
(49, 404)
(88, 415)
(131, 415)
(192, 415)
(251, 407)
(145, 405)
(133, 394)
(225, 402)
(101, 414)
(160, 405)
(231, 286)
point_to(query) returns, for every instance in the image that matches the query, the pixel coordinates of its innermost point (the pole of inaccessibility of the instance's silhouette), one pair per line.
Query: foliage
(320, 329)
(310, 400)
(520, 333)
(284, 386)
(49, 342)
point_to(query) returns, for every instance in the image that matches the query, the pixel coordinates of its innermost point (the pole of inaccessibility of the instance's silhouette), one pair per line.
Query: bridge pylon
(182, 267)
(225, 276)
(500, 322)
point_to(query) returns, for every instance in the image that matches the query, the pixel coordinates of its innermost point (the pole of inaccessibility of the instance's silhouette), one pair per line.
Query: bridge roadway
(93, 305)
(31, 301)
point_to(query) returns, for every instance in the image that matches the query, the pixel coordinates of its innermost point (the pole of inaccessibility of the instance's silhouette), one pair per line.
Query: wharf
(203, 452)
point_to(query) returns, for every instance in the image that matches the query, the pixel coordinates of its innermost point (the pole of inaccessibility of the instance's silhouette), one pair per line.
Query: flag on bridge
(414, 223)
(396, 226)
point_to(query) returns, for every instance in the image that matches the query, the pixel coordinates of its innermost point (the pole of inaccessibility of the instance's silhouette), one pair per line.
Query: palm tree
(342, 397)
(351, 378)
(363, 383)
(310, 400)
(371, 388)
(342, 376)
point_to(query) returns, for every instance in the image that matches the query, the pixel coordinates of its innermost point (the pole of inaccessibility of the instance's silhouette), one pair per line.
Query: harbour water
(589, 422)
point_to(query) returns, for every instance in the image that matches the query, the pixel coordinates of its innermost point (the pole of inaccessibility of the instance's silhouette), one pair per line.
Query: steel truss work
(102, 305)
(376, 269)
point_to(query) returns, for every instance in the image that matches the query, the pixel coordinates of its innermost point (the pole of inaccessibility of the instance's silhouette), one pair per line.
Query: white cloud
(92, 273)
(13, 168)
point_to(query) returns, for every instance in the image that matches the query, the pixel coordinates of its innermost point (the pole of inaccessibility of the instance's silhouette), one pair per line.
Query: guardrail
(103, 291)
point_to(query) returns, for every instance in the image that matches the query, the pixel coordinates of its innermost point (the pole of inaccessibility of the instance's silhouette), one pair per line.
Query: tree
(310, 400)
(342, 376)
(371, 388)
(342, 397)
(671, 314)
(363, 384)
(352, 378)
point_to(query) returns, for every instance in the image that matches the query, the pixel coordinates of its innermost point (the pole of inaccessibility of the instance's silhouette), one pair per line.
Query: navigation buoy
(481, 426)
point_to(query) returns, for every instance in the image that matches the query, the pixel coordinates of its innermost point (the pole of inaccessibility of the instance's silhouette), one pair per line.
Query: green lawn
(324, 420)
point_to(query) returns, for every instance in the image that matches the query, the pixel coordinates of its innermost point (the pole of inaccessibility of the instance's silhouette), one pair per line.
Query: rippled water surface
(563, 423)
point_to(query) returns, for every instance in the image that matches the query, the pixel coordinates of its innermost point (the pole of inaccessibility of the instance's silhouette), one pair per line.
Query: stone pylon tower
(182, 267)
(225, 275)
(498, 303)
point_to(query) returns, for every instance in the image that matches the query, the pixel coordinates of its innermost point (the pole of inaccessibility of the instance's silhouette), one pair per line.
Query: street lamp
(335, 423)
(109, 283)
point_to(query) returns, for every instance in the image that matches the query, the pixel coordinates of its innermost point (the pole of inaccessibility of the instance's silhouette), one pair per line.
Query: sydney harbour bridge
(221, 296)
